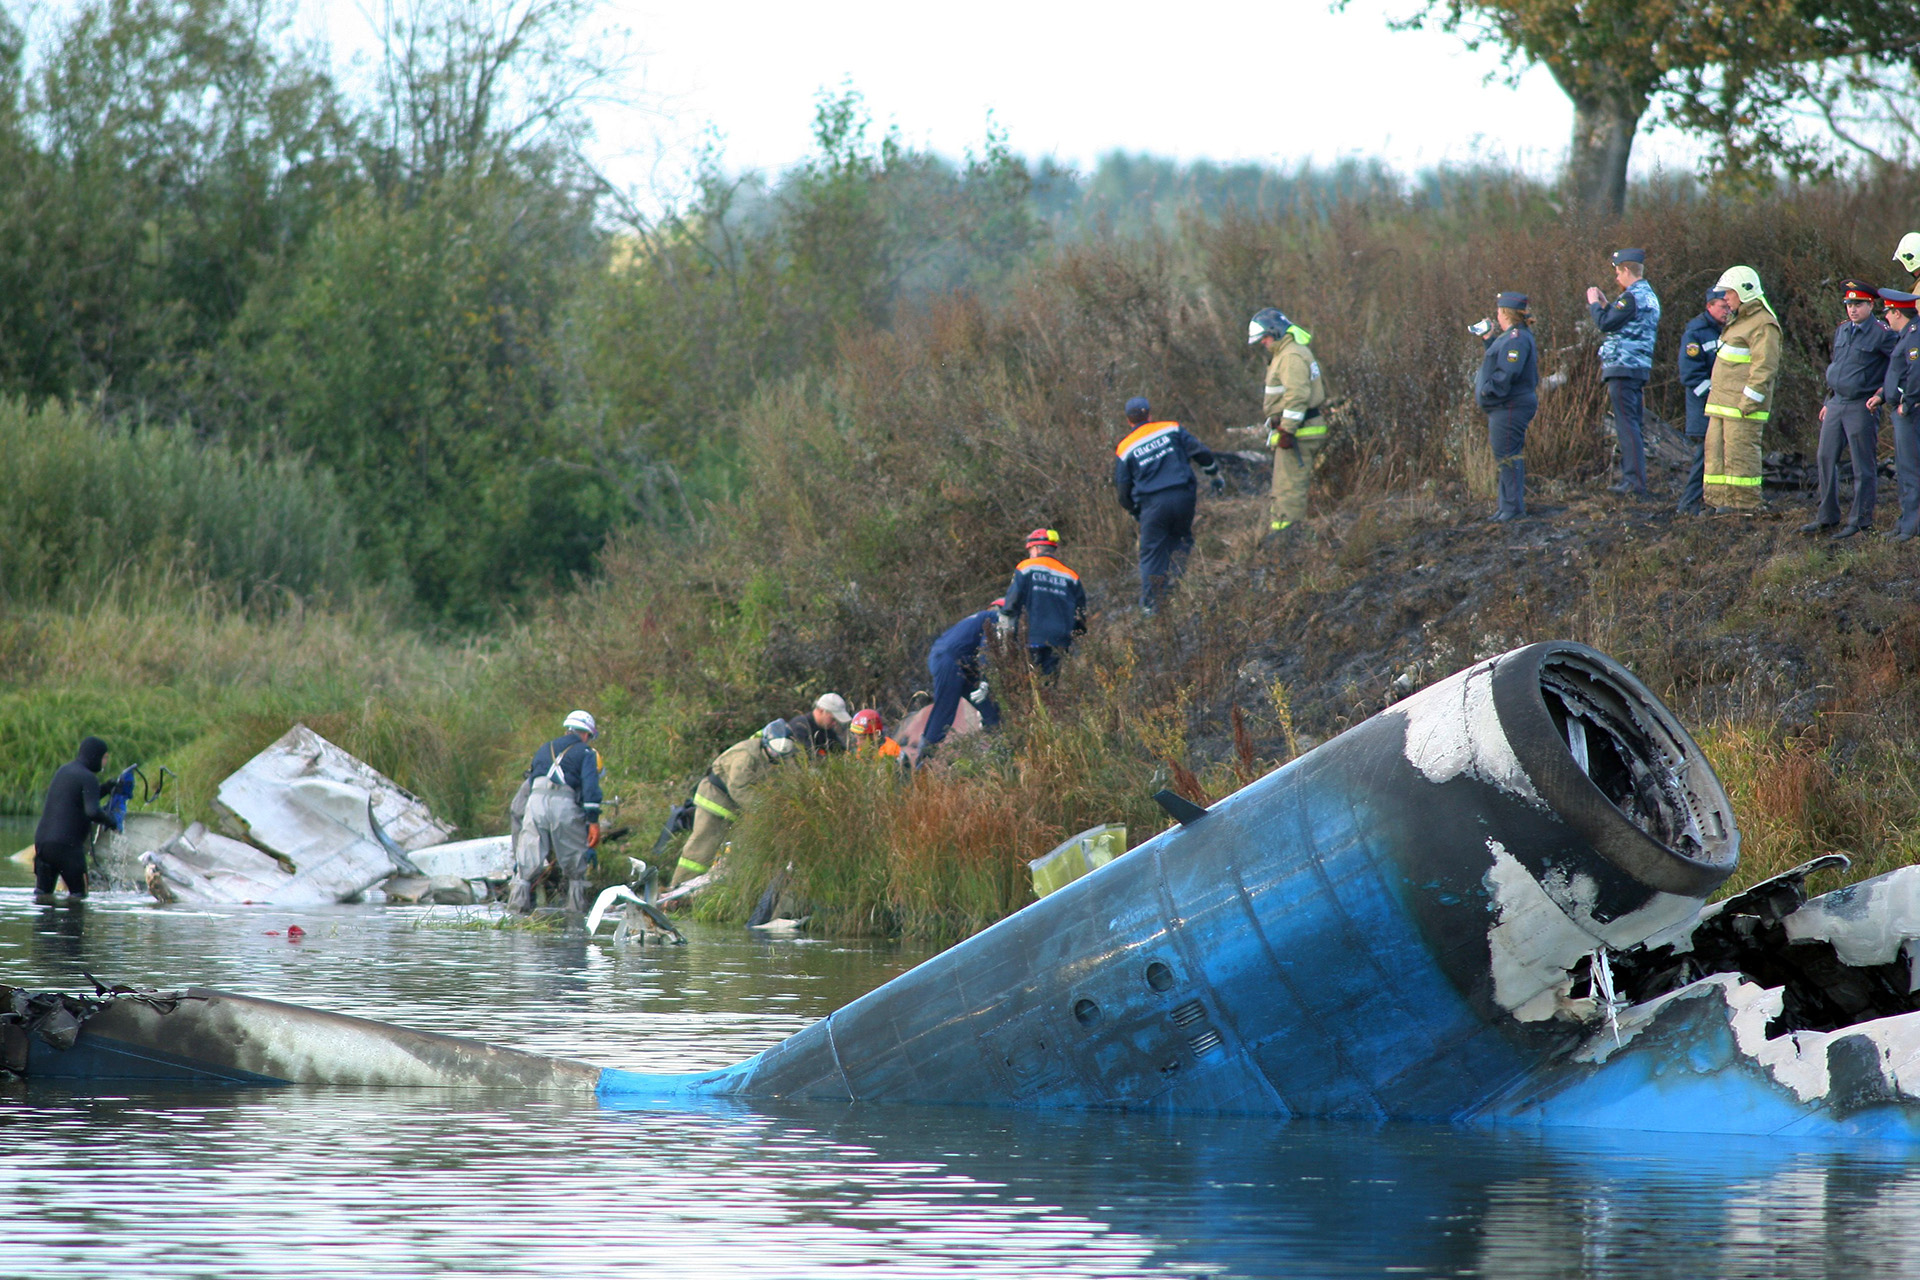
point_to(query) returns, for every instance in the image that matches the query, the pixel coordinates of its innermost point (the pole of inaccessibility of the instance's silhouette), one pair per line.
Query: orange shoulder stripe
(1047, 562)
(1140, 433)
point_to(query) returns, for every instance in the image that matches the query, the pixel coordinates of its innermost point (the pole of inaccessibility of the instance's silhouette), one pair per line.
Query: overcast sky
(1277, 83)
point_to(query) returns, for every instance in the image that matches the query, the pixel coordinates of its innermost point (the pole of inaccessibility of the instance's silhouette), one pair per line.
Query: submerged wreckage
(1484, 904)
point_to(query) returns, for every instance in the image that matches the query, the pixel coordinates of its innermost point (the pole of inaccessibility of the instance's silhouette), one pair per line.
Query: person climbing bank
(1051, 596)
(958, 671)
(1153, 478)
(720, 798)
(562, 822)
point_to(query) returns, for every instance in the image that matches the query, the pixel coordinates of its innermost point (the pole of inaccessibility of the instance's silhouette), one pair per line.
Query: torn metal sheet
(487, 858)
(204, 866)
(310, 802)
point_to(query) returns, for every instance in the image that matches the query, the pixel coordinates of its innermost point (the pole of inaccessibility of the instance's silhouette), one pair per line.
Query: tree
(1732, 72)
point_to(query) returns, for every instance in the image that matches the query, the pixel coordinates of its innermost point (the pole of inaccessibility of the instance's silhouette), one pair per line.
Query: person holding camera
(1507, 389)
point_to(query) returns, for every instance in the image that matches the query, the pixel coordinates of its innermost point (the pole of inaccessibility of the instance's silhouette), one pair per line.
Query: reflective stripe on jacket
(1295, 392)
(1747, 365)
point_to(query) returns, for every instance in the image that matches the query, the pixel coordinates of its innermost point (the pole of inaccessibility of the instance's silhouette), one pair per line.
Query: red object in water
(295, 933)
(273, 933)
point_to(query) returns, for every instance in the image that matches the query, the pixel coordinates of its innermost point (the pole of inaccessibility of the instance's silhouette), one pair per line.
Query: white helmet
(581, 722)
(1907, 252)
(778, 738)
(1742, 282)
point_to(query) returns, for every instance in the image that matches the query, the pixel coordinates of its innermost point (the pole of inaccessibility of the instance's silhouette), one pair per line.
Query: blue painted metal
(1316, 945)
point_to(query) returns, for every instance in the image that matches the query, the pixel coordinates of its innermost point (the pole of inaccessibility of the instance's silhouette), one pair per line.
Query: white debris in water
(1453, 728)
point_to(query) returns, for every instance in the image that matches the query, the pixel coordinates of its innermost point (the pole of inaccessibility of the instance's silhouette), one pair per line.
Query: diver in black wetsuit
(73, 806)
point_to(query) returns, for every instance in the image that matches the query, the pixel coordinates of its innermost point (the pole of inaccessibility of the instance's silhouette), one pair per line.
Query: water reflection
(343, 1182)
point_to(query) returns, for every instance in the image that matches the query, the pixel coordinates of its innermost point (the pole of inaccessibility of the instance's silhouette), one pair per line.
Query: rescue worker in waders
(1698, 346)
(73, 809)
(1740, 399)
(1628, 326)
(1861, 346)
(1900, 392)
(958, 671)
(1153, 478)
(720, 798)
(1506, 389)
(1291, 405)
(1051, 596)
(562, 816)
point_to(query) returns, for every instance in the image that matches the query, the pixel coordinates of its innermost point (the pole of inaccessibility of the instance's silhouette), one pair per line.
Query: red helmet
(999, 602)
(1043, 538)
(867, 722)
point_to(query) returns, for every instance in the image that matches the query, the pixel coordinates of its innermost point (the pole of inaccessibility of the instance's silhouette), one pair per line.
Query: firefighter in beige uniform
(1295, 395)
(718, 797)
(1740, 399)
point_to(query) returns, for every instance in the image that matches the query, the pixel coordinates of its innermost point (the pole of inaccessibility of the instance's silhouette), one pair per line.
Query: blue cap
(1629, 255)
(1716, 293)
(1511, 301)
(1895, 298)
(1138, 409)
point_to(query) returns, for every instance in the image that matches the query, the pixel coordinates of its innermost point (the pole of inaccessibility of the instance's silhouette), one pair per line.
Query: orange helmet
(1043, 538)
(867, 722)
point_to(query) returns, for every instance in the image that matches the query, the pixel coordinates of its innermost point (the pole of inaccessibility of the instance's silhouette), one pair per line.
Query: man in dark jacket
(1051, 596)
(1900, 392)
(1507, 389)
(818, 731)
(73, 809)
(1861, 346)
(954, 663)
(1153, 477)
(562, 823)
(1699, 348)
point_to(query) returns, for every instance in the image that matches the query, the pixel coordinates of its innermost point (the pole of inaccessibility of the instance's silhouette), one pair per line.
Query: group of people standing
(1729, 364)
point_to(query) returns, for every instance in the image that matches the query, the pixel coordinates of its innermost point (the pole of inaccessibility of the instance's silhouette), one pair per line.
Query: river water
(338, 1182)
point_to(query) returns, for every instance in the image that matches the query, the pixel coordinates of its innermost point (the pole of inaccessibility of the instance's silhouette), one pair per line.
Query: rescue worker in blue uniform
(1861, 346)
(1051, 596)
(1506, 388)
(562, 823)
(1699, 346)
(958, 672)
(1153, 477)
(1900, 392)
(1628, 326)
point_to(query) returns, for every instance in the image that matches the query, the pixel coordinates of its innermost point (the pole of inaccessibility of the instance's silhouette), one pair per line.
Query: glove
(1284, 440)
(593, 835)
(978, 696)
(1219, 483)
(680, 817)
(1706, 385)
(1004, 624)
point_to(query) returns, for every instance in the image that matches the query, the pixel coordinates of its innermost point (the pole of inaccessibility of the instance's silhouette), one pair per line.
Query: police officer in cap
(1155, 484)
(1627, 325)
(1861, 346)
(1506, 388)
(1698, 346)
(1900, 392)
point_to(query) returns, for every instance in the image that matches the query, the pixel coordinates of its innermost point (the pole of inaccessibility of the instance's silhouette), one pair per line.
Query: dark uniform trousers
(1694, 496)
(1906, 460)
(1166, 536)
(951, 682)
(1628, 406)
(1850, 423)
(1507, 433)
